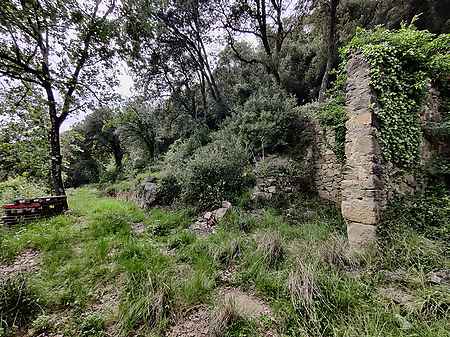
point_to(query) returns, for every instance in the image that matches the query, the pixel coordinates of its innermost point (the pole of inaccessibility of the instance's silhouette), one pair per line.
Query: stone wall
(363, 185)
(327, 169)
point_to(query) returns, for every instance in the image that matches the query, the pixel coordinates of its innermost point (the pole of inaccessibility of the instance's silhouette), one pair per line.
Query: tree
(103, 136)
(57, 46)
(23, 135)
(170, 39)
(269, 21)
(331, 41)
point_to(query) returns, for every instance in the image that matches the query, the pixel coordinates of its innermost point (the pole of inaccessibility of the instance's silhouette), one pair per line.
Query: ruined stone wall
(327, 169)
(363, 185)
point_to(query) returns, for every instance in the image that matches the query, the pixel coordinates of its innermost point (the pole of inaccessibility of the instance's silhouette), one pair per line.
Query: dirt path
(26, 262)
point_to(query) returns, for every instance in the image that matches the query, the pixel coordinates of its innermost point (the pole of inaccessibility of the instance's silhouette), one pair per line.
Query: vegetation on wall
(402, 65)
(332, 116)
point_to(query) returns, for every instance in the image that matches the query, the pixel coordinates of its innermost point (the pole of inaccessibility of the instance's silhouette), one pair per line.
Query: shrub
(18, 303)
(428, 214)
(20, 187)
(215, 172)
(268, 119)
(168, 189)
(182, 149)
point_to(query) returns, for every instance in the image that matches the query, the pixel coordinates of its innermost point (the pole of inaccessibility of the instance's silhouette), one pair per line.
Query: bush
(18, 304)
(169, 189)
(428, 214)
(92, 326)
(267, 120)
(20, 187)
(215, 172)
(182, 149)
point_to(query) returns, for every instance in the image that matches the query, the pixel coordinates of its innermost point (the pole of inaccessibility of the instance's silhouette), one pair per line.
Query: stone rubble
(206, 223)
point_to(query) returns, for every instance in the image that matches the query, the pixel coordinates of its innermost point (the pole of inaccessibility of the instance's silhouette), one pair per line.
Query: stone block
(364, 211)
(360, 235)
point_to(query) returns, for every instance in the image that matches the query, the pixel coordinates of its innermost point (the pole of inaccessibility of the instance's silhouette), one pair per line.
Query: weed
(42, 323)
(92, 325)
(18, 303)
(336, 252)
(303, 290)
(197, 288)
(146, 301)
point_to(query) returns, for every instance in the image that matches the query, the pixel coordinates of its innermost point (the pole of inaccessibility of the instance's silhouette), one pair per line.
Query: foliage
(23, 135)
(267, 120)
(401, 64)
(215, 172)
(428, 214)
(332, 115)
(20, 187)
(18, 303)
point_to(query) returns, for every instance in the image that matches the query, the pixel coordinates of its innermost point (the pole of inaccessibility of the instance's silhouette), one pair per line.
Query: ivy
(332, 115)
(402, 64)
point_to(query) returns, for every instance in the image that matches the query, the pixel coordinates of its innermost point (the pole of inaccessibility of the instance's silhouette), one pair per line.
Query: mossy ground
(97, 277)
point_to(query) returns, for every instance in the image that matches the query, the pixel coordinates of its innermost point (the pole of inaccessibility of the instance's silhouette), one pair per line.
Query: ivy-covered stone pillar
(361, 187)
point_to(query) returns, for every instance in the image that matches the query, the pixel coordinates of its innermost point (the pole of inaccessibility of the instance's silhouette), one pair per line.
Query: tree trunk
(117, 153)
(55, 148)
(331, 48)
(56, 159)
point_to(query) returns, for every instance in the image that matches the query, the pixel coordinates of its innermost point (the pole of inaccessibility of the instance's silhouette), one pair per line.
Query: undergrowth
(295, 259)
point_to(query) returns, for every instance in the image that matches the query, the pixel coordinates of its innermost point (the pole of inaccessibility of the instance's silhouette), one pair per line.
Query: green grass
(91, 253)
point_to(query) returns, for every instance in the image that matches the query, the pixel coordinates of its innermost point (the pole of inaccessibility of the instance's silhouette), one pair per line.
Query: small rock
(220, 213)
(439, 277)
(207, 215)
(403, 322)
(271, 189)
(138, 228)
(226, 204)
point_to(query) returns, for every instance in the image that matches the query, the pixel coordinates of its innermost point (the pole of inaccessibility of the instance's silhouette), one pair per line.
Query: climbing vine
(402, 65)
(332, 115)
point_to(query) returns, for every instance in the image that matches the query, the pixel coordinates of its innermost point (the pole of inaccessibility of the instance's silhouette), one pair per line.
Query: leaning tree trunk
(331, 48)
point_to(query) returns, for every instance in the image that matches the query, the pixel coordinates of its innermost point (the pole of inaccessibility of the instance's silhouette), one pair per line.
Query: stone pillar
(361, 187)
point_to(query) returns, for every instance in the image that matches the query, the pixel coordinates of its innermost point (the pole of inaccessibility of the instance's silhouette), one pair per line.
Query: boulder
(147, 193)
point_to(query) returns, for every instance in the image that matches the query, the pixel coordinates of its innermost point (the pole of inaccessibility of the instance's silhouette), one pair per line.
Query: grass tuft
(223, 317)
(271, 248)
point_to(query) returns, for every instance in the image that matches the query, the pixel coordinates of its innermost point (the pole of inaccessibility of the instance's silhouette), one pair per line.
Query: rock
(220, 213)
(439, 277)
(399, 296)
(226, 204)
(271, 189)
(403, 322)
(207, 215)
(147, 193)
(138, 228)
(261, 196)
